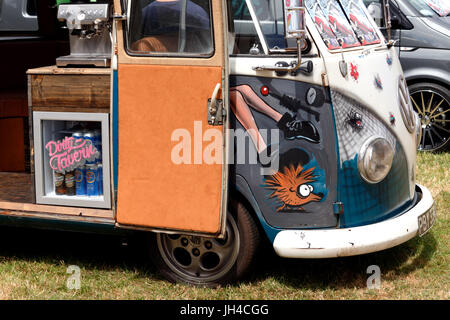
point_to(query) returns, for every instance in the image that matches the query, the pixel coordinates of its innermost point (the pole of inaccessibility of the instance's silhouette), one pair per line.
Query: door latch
(216, 112)
(338, 208)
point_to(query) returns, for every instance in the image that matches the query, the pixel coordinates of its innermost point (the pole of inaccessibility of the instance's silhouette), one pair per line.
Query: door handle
(214, 96)
(282, 69)
(215, 108)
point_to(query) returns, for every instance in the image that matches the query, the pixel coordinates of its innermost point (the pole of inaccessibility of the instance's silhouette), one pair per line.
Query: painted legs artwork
(292, 184)
(243, 98)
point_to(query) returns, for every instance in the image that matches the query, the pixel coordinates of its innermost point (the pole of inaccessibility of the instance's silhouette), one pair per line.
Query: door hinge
(216, 113)
(338, 208)
(119, 16)
(325, 82)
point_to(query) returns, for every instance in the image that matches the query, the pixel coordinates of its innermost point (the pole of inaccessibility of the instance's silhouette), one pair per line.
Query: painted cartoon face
(291, 186)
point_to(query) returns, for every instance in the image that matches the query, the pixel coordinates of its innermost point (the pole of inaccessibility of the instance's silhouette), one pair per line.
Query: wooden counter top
(70, 71)
(69, 89)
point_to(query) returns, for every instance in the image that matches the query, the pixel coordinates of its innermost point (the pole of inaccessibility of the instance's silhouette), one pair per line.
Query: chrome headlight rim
(362, 155)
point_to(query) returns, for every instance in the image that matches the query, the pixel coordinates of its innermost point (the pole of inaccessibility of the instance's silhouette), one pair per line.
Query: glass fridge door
(72, 159)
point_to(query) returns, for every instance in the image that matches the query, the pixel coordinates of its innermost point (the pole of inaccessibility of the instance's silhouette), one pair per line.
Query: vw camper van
(213, 124)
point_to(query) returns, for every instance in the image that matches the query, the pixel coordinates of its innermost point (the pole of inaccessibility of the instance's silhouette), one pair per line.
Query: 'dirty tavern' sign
(70, 153)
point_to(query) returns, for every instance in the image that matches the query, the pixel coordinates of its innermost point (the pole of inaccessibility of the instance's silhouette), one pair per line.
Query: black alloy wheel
(431, 102)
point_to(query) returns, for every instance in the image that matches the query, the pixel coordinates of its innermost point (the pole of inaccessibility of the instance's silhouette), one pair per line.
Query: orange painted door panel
(170, 172)
(153, 190)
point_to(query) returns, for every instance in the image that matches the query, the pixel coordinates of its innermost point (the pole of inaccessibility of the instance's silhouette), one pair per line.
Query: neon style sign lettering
(68, 154)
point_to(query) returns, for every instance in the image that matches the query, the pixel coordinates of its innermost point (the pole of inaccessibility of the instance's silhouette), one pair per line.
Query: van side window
(243, 35)
(171, 27)
(270, 17)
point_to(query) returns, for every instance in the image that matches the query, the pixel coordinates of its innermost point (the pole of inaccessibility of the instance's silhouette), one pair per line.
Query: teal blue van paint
(241, 185)
(366, 203)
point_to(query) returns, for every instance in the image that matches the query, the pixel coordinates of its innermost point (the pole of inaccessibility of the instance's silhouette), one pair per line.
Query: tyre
(431, 102)
(209, 262)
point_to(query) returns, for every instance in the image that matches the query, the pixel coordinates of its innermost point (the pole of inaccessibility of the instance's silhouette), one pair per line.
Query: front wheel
(432, 103)
(206, 261)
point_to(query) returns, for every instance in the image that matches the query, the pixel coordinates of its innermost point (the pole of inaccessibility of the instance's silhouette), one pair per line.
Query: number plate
(426, 220)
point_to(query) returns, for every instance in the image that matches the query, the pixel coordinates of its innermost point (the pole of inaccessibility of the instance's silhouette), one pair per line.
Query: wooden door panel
(153, 191)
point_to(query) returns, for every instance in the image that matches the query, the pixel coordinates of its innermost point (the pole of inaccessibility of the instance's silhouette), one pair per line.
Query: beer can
(80, 181)
(91, 180)
(77, 135)
(100, 179)
(89, 135)
(69, 181)
(98, 142)
(59, 184)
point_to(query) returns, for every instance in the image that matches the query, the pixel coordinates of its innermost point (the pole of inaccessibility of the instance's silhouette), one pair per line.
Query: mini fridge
(72, 159)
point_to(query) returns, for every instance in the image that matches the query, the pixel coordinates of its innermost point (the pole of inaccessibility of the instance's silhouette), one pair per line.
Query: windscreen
(441, 7)
(360, 22)
(342, 24)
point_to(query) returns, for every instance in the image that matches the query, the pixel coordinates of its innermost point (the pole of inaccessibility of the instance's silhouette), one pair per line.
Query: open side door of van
(171, 76)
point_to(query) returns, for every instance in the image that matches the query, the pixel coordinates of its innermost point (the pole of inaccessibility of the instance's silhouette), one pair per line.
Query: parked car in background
(441, 9)
(422, 36)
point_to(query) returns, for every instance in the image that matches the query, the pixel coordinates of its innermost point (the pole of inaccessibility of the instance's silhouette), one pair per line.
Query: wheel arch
(431, 78)
(240, 191)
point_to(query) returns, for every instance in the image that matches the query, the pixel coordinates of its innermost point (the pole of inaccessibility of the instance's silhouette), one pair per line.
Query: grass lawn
(33, 264)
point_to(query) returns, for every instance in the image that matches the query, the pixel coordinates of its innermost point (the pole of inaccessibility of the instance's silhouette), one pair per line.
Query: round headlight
(418, 130)
(375, 159)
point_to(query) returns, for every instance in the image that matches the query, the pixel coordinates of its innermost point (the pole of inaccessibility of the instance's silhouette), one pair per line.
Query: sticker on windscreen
(360, 22)
(339, 24)
(322, 25)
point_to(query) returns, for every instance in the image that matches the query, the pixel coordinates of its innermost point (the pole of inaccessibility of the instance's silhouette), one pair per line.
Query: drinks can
(91, 180)
(80, 181)
(89, 135)
(59, 184)
(100, 179)
(77, 135)
(69, 181)
(98, 142)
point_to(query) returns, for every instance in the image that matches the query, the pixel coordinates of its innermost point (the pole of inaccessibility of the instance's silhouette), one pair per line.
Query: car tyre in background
(432, 103)
(208, 262)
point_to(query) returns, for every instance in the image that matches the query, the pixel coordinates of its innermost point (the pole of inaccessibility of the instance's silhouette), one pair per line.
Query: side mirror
(395, 21)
